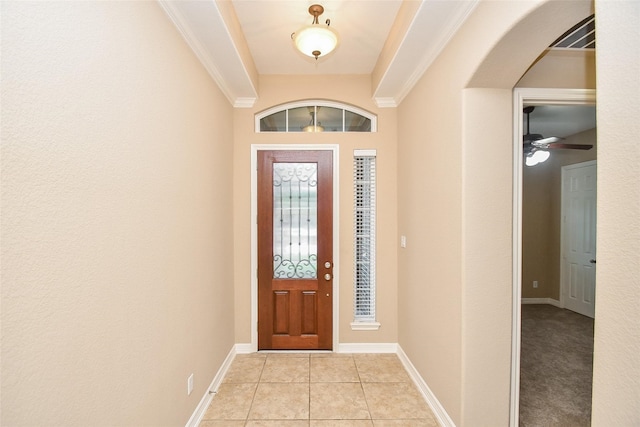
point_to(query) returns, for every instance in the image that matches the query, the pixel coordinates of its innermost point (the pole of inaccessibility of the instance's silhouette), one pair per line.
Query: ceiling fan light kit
(536, 157)
(536, 146)
(315, 40)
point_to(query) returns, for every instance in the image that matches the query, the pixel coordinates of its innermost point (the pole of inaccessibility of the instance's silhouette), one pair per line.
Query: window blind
(364, 167)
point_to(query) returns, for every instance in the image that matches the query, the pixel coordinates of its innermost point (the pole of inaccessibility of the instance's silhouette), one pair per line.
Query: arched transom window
(315, 116)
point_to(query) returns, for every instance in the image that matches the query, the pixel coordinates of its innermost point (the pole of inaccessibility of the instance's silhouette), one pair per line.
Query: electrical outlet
(189, 384)
(535, 283)
(403, 241)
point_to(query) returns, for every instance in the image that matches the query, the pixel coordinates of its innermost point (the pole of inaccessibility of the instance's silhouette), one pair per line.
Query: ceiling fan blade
(546, 141)
(560, 145)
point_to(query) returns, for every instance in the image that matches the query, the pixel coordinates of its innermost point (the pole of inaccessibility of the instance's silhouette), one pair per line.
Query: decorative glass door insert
(295, 220)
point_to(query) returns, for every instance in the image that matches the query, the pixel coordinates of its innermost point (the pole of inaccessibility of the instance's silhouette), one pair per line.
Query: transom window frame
(316, 103)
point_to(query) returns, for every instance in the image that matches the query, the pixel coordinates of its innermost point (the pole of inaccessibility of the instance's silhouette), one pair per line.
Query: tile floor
(317, 389)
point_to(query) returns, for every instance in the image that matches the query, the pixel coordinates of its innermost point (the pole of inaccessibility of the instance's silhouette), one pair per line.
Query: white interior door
(578, 271)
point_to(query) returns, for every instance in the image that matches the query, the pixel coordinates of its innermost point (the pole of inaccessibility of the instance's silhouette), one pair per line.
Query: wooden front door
(295, 250)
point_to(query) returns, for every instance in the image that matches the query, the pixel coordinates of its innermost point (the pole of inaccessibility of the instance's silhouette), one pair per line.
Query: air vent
(580, 36)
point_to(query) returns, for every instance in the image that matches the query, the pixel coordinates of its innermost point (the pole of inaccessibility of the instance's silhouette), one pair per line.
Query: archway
(488, 135)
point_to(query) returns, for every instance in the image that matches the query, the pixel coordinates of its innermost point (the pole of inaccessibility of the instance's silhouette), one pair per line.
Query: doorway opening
(530, 261)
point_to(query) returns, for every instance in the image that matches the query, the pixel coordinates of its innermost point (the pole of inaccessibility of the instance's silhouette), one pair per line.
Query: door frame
(539, 96)
(334, 148)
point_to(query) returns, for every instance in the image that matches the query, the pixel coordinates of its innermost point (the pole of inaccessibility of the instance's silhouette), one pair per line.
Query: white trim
(365, 326)
(438, 410)
(406, 68)
(200, 410)
(244, 102)
(234, 69)
(244, 348)
(535, 96)
(357, 347)
(335, 149)
(451, 27)
(364, 153)
(531, 96)
(385, 102)
(549, 301)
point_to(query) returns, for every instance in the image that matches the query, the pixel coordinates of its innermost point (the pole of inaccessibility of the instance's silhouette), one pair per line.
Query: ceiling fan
(534, 141)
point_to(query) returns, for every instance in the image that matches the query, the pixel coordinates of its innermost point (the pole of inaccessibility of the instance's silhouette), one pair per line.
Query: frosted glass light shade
(315, 40)
(313, 128)
(537, 157)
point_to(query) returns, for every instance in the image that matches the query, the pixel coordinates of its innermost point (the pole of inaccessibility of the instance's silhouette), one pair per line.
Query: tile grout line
(255, 392)
(366, 401)
(309, 402)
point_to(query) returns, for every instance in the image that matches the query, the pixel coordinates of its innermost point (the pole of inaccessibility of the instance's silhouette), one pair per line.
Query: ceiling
(395, 41)
(363, 27)
(560, 120)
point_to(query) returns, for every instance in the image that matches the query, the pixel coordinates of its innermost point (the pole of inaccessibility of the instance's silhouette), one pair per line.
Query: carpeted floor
(556, 362)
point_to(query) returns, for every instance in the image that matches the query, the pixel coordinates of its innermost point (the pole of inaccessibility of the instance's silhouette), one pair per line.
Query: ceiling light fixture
(315, 40)
(313, 126)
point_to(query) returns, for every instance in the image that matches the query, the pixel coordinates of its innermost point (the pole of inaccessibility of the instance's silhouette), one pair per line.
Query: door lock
(327, 277)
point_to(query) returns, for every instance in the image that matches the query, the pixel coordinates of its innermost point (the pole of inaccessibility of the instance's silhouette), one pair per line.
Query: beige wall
(354, 90)
(116, 262)
(541, 226)
(616, 371)
(455, 205)
(562, 68)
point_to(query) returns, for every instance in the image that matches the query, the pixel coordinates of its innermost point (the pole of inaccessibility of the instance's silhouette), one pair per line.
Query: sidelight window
(364, 179)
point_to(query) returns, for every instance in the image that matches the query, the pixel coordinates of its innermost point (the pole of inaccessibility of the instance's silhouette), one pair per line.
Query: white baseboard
(549, 301)
(245, 348)
(367, 348)
(438, 410)
(197, 415)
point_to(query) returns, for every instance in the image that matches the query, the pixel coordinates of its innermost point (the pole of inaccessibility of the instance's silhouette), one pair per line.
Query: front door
(295, 250)
(578, 271)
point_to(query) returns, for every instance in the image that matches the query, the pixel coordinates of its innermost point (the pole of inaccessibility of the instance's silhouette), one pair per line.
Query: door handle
(592, 261)
(327, 277)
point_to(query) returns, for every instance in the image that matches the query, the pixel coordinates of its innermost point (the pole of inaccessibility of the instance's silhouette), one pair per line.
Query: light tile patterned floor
(317, 389)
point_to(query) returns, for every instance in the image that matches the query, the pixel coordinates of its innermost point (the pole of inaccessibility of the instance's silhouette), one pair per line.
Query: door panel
(579, 195)
(295, 244)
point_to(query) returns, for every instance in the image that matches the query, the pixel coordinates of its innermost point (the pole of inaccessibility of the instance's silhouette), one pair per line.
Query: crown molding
(203, 28)
(432, 27)
(386, 102)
